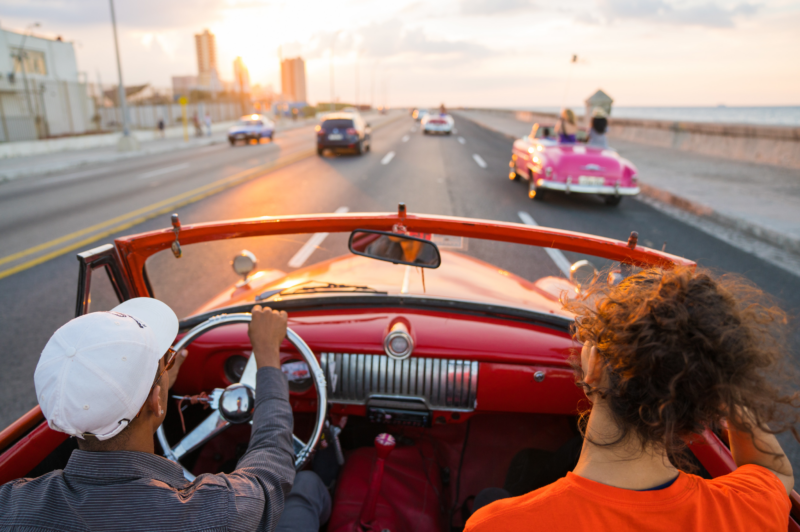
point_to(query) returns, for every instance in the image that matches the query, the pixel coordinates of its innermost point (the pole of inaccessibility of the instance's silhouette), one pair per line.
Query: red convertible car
(571, 168)
(454, 342)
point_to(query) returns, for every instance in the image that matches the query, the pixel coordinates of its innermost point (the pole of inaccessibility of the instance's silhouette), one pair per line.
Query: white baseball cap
(96, 371)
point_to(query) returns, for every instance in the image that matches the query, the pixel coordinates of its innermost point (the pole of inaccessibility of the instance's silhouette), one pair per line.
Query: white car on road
(437, 123)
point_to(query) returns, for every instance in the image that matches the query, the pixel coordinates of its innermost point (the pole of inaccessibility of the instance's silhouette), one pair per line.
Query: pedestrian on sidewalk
(295, 113)
(161, 128)
(198, 131)
(208, 123)
(597, 133)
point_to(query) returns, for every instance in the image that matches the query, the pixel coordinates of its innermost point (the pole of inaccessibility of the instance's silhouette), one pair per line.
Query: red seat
(409, 497)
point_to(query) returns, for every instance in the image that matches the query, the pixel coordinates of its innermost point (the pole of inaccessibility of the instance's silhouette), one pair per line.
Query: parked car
(437, 123)
(570, 168)
(251, 127)
(468, 364)
(344, 131)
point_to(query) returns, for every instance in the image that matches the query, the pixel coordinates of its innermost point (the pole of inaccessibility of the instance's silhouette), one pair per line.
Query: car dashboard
(456, 365)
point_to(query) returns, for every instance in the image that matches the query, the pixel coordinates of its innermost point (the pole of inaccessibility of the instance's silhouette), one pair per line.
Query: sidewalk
(20, 167)
(760, 200)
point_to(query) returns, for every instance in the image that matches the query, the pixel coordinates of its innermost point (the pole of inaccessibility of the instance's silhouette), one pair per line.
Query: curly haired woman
(667, 354)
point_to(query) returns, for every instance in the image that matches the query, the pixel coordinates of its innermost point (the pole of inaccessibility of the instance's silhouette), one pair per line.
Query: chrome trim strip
(590, 189)
(442, 384)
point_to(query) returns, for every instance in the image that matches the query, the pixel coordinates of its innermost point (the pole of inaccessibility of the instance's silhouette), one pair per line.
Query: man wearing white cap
(104, 378)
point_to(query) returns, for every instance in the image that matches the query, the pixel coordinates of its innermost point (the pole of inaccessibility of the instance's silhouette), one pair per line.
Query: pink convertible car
(573, 168)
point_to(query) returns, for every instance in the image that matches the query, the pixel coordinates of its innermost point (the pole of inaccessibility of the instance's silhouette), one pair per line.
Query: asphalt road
(438, 175)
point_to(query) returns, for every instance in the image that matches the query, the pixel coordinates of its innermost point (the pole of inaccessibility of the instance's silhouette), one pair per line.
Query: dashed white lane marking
(461, 140)
(387, 158)
(555, 254)
(311, 245)
(162, 171)
(405, 138)
(479, 160)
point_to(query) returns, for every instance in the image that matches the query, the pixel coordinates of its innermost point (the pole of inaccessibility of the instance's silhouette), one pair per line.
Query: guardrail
(773, 145)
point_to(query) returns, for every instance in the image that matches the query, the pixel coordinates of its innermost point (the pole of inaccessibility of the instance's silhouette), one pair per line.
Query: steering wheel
(235, 403)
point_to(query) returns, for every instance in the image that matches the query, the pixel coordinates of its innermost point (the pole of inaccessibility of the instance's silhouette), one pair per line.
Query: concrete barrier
(41, 147)
(775, 145)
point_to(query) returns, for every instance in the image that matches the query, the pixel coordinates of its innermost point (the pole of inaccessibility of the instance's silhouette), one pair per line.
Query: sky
(493, 53)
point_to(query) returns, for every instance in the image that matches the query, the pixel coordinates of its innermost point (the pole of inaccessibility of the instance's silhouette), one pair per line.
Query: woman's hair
(568, 115)
(684, 349)
(599, 124)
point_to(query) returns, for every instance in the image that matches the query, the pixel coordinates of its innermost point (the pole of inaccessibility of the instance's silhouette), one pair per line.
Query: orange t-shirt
(750, 499)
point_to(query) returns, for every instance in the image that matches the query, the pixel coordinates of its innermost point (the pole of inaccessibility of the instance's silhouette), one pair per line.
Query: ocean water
(766, 116)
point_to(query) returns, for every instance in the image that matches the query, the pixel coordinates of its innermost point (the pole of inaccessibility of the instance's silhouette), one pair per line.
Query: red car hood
(460, 277)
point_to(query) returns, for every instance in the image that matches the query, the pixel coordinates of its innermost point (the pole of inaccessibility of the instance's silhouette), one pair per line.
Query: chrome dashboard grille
(443, 384)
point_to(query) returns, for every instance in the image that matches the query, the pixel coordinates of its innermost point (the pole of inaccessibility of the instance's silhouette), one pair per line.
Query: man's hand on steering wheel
(173, 371)
(267, 330)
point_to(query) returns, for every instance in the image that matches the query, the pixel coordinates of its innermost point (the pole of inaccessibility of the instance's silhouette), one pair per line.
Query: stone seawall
(774, 145)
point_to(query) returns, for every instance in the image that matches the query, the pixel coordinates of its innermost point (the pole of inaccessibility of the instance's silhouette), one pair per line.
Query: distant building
(241, 77)
(598, 99)
(42, 94)
(207, 78)
(293, 79)
(183, 85)
(206, 48)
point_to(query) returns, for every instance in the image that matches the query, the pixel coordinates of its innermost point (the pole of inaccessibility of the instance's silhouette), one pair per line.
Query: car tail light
(352, 131)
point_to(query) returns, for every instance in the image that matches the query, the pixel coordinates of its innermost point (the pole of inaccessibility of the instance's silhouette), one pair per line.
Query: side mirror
(244, 263)
(582, 273)
(395, 248)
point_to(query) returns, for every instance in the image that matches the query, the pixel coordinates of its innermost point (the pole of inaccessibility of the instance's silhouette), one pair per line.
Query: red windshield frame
(134, 250)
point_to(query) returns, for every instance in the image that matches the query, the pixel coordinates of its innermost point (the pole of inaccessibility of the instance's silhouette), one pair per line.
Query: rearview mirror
(395, 248)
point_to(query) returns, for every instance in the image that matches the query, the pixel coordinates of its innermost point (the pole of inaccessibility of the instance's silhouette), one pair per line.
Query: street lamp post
(127, 142)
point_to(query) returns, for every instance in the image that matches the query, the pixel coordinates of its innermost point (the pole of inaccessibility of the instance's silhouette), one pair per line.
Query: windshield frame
(134, 250)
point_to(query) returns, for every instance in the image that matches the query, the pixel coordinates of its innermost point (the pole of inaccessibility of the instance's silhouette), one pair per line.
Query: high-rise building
(293, 79)
(206, 45)
(241, 76)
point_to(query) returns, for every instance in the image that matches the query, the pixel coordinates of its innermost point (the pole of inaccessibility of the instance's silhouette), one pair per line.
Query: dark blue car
(251, 127)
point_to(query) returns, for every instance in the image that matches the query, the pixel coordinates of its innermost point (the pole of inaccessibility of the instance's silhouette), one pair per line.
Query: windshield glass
(337, 123)
(303, 265)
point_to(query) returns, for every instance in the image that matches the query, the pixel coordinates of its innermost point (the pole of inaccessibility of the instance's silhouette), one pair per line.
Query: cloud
(138, 14)
(701, 14)
(493, 7)
(392, 39)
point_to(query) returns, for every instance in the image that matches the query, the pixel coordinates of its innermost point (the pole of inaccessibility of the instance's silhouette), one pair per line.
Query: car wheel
(360, 147)
(613, 201)
(233, 142)
(319, 151)
(535, 193)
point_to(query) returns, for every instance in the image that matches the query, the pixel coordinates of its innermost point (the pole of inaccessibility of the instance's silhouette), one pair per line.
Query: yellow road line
(166, 205)
(146, 213)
